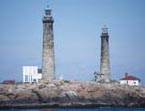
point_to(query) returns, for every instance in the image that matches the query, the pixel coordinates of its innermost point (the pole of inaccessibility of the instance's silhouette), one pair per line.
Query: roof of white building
(129, 77)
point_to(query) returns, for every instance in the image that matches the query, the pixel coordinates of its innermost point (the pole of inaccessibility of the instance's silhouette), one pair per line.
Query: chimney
(126, 75)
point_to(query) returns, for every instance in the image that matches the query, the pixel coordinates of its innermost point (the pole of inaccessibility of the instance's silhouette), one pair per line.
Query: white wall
(130, 82)
(30, 74)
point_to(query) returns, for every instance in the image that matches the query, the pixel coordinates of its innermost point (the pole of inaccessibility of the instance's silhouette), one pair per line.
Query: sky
(77, 30)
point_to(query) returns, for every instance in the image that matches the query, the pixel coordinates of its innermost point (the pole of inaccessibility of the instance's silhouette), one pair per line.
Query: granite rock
(67, 93)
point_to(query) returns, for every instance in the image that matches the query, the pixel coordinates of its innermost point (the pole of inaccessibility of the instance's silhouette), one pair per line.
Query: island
(70, 93)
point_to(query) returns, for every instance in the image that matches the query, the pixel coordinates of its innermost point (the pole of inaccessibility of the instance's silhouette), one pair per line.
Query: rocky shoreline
(70, 94)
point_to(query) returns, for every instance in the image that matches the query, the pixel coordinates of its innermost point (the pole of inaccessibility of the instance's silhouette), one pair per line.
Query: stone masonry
(105, 62)
(48, 62)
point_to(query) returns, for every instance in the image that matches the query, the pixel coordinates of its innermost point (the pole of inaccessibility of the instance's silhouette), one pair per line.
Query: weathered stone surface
(48, 63)
(70, 94)
(105, 59)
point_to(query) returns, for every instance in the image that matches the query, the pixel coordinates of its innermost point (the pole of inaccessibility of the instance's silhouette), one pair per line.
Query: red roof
(9, 81)
(129, 77)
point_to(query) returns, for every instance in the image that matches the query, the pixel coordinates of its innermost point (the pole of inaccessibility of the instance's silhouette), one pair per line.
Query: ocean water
(78, 109)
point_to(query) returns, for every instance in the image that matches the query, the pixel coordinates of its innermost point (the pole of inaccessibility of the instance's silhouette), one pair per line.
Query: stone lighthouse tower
(105, 62)
(48, 62)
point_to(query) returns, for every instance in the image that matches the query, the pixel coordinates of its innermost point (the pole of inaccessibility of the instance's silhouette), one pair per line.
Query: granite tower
(48, 62)
(105, 62)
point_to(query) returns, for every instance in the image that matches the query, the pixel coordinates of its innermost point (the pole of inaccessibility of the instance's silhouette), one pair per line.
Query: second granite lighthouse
(48, 62)
(105, 60)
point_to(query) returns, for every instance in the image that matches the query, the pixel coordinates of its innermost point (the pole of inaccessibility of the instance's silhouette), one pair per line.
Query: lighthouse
(48, 60)
(105, 59)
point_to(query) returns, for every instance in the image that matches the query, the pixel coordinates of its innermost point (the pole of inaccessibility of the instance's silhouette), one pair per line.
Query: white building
(130, 80)
(30, 74)
(98, 76)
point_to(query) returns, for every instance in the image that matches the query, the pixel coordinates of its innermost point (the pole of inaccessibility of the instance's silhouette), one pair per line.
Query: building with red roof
(130, 80)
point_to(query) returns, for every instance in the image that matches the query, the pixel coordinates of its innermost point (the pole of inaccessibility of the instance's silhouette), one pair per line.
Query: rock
(70, 94)
(4, 98)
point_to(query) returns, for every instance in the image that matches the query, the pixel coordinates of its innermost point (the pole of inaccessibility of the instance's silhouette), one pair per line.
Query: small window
(26, 78)
(134, 82)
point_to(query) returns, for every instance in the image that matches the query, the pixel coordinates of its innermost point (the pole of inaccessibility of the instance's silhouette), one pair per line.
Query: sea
(78, 109)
